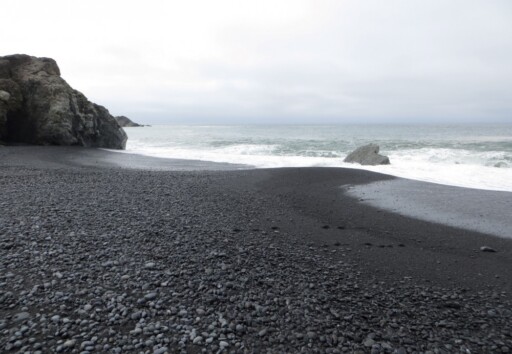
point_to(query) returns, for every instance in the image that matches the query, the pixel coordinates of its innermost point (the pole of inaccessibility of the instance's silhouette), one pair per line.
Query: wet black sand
(485, 211)
(103, 256)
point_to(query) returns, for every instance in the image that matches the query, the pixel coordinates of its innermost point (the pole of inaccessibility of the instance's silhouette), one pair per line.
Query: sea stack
(367, 155)
(37, 106)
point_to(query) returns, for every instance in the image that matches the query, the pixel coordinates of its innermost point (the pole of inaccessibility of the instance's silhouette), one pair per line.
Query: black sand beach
(111, 252)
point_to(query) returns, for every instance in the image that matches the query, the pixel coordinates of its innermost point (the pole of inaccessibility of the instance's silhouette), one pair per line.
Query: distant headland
(127, 122)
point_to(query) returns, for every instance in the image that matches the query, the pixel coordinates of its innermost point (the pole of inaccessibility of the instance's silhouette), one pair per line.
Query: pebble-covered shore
(109, 260)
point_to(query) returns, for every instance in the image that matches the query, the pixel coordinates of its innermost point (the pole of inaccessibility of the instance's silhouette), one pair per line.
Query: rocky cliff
(38, 107)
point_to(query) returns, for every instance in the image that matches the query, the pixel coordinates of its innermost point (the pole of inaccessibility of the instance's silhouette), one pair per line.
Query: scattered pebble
(21, 316)
(487, 249)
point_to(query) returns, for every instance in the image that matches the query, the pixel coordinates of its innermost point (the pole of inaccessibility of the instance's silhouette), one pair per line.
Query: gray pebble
(150, 296)
(21, 316)
(487, 249)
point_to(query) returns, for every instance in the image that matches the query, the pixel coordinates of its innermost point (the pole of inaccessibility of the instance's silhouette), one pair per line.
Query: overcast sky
(293, 61)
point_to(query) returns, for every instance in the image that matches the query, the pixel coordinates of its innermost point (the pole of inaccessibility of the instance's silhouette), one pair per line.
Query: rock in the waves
(38, 107)
(127, 122)
(367, 155)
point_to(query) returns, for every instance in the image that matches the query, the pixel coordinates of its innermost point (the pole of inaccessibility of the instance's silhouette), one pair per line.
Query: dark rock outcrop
(127, 122)
(367, 155)
(38, 107)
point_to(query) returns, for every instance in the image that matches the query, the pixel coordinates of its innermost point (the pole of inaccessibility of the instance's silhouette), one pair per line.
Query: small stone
(200, 311)
(55, 318)
(86, 344)
(4, 95)
(21, 316)
(377, 350)
(69, 343)
(198, 340)
(150, 296)
(487, 249)
(223, 344)
(369, 342)
(401, 350)
(149, 265)
(262, 333)
(87, 307)
(136, 315)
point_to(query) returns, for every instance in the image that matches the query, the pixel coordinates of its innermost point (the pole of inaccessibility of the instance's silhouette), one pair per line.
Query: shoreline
(65, 156)
(255, 259)
(449, 205)
(450, 155)
(376, 169)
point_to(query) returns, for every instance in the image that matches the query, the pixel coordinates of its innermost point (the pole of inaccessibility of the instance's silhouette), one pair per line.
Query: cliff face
(38, 107)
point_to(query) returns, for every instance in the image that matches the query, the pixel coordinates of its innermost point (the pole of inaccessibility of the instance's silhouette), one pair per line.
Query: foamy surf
(446, 155)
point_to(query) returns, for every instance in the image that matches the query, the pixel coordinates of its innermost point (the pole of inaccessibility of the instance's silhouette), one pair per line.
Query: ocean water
(474, 156)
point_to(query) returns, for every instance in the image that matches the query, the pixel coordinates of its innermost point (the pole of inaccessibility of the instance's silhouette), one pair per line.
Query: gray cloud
(286, 61)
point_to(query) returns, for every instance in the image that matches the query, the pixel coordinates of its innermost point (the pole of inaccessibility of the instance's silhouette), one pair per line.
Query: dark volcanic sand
(107, 259)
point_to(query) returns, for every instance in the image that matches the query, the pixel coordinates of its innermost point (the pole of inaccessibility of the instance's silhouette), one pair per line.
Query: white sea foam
(260, 157)
(472, 163)
(462, 175)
